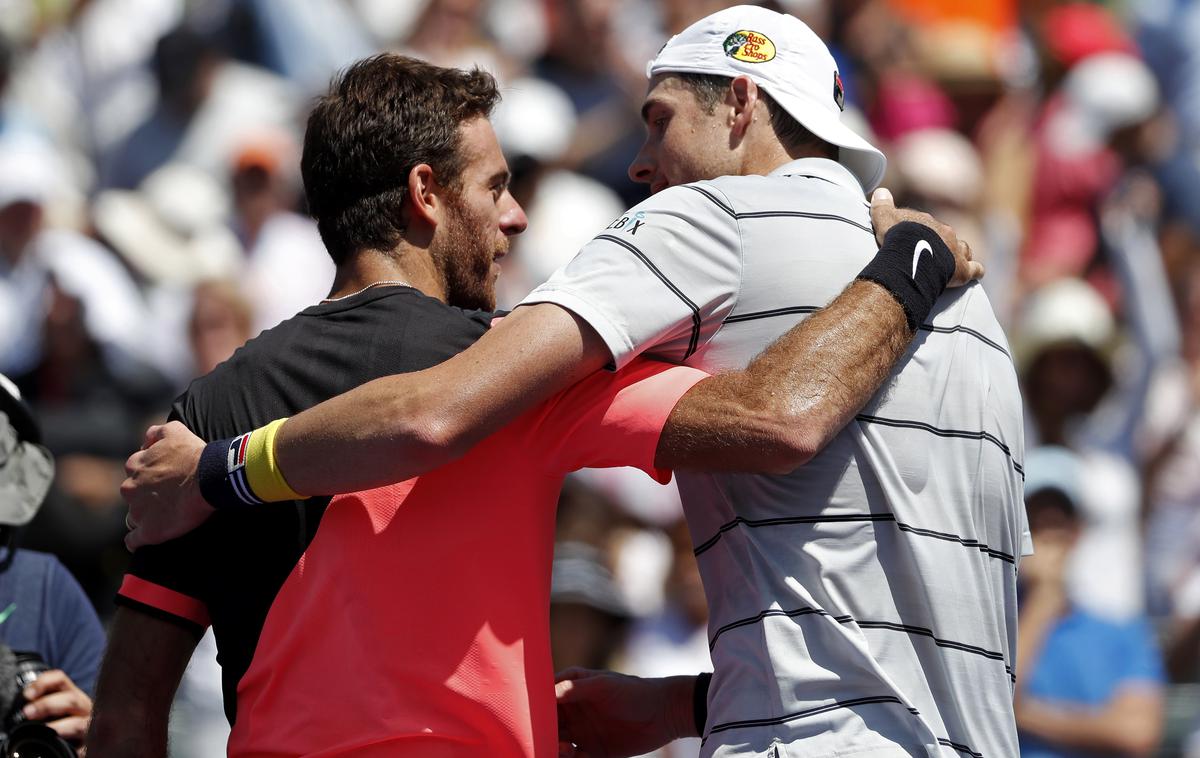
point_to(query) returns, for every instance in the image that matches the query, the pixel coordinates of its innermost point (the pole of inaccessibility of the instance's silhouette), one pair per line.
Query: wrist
(242, 470)
(913, 277)
(221, 473)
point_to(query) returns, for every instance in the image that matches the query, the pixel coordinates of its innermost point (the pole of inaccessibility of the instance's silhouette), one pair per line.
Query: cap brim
(864, 160)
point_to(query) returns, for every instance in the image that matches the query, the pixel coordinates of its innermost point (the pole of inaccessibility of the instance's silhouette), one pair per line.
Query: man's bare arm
(1130, 723)
(402, 426)
(795, 396)
(142, 667)
(798, 393)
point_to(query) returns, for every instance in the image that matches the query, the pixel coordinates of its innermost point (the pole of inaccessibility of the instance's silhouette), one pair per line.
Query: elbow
(790, 448)
(425, 433)
(1142, 741)
(446, 438)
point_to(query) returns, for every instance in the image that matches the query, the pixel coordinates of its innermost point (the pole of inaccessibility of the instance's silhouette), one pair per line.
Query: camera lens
(36, 740)
(29, 667)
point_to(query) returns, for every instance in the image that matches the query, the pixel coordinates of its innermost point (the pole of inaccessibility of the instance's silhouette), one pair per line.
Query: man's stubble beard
(465, 257)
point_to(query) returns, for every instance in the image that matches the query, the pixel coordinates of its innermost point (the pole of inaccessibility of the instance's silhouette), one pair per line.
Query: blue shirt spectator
(43, 610)
(1084, 662)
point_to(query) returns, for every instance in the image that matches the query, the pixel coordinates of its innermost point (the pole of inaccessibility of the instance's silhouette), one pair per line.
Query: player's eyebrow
(646, 107)
(500, 177)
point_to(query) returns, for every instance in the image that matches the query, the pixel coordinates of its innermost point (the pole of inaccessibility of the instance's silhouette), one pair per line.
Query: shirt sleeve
(165, 580)
(613, 419)
(660, 279)
(1141, 657)
(79, 642)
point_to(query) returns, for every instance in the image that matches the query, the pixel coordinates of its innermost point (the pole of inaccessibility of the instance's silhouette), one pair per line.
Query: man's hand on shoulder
(885, 215)
(161, 487)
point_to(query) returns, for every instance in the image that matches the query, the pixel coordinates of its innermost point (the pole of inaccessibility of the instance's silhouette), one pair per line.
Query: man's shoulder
(329, 348)
(36, 563)
(33, 570)
(755, 193)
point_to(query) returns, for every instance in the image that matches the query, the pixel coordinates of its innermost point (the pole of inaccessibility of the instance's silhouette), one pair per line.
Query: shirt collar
(821, 168)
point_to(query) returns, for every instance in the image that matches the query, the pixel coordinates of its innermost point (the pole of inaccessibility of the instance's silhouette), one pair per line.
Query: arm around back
(401, 426)
(776, 414)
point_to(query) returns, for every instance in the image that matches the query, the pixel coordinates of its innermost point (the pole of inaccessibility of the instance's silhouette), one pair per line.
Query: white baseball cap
(788, 61)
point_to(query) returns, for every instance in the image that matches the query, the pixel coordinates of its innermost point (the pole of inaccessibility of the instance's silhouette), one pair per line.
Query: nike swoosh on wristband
(922, 247)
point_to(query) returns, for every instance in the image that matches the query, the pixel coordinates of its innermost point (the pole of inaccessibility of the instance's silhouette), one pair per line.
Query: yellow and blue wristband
(243, 470)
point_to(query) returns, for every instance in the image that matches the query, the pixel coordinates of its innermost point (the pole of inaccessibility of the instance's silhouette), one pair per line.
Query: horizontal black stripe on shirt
(863, 624)
(795, 309)
(966, 750)
(778, 214)
(755, 523)
(965, 330)
(806, 214)
(694, 342)
(950, 433)
(716, 200)
(968, 542)
(836, 705)
(754, 316)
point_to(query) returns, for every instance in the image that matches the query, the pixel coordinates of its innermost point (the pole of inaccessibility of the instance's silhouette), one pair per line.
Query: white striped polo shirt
(865, 604)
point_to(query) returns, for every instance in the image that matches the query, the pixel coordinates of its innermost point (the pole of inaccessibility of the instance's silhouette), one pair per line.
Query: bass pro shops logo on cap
(748, 46)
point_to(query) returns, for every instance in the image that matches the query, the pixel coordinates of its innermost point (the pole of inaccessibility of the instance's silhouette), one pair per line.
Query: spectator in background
(185, 65)
(534, 123)
(42, 608)
(1086, 686)
(583, 59)
(208, 104)
(286, 266)
(674, 641)
(1081, 152)
(220, 323)
(74, 335)
(32, 255)
(1061, 346)
(588, 615)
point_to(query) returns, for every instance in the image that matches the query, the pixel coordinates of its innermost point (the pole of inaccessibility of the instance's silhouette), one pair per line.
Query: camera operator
(43, 610)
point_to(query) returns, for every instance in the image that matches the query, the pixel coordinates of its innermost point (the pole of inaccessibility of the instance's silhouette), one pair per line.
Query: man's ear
(425, 195)
(742, 99)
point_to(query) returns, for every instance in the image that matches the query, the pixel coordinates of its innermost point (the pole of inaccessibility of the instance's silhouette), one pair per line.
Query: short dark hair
(710, 89)
(1050, 500)
(383, 116)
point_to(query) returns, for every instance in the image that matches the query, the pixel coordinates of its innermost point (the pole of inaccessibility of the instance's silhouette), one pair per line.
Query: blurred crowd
(152, 220)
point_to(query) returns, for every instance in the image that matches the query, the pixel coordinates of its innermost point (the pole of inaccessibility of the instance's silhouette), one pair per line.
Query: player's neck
(770, 154)
(369, 268)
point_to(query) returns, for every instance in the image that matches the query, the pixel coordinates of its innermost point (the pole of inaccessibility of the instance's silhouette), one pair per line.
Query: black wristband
(222, 473)
(902, 268)
(700, 701)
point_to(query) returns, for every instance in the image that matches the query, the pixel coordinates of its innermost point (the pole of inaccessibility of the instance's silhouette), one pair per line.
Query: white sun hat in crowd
(788, 61)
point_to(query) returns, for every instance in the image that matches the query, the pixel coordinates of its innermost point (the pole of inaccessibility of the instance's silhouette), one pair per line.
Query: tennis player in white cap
(863, 604)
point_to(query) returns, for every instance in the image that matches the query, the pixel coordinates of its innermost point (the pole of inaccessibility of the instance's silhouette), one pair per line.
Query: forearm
(398, 427)
(141, 671)
(796, 395)
(1130, 724)
(1037, 616)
